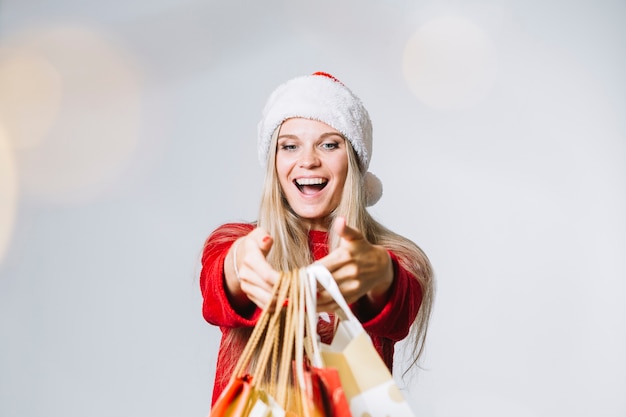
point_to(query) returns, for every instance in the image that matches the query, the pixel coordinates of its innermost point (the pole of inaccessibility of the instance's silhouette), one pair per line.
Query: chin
(312, 215)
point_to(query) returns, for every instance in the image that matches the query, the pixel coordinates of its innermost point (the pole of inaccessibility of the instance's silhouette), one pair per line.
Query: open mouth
(310, 185)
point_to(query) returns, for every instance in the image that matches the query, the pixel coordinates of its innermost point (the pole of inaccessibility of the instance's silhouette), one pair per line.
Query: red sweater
(385, 327)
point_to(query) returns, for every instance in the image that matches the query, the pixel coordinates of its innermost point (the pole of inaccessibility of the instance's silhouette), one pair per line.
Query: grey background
(127, 133)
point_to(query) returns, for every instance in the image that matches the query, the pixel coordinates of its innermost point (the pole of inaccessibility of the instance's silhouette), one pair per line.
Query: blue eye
(288, 147)
(330, 145)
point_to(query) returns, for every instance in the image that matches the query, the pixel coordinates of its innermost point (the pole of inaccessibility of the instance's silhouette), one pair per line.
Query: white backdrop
(127, 133)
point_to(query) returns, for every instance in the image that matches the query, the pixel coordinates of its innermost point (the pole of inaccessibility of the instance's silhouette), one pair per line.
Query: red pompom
(325, 74)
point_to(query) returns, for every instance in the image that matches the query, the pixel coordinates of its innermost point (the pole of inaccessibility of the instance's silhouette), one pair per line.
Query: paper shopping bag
(234, 400)
(367, 382)
(263, 405)
(323, 383)
(327, 392)
(242, 399)
(243, 395)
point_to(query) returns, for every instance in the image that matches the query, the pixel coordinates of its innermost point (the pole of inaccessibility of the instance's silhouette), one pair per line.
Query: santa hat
(322, 97)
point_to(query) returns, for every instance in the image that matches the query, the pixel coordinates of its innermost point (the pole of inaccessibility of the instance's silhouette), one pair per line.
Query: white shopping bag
(366, 380)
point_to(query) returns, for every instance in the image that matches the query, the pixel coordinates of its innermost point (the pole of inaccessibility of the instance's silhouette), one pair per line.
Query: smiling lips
(310, 186)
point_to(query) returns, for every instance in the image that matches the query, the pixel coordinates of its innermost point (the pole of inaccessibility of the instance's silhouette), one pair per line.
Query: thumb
(346, 232)
(266, 244)
(263, 240)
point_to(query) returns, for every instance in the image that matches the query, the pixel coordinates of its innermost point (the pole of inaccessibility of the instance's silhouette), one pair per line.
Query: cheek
(282, 171)
(340, 169)
(342, 183)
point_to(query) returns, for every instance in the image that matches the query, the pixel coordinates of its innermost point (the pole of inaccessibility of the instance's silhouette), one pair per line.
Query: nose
(309, 158)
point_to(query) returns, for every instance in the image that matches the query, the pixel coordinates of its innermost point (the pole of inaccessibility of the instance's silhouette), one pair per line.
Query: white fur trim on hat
(373, 189)
(319, 97)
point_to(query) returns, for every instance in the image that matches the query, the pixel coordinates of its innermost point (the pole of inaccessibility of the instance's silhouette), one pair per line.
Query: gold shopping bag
(278, 383)
(244, 396)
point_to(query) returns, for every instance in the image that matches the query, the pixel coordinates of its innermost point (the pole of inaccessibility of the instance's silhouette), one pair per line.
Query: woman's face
(312, 165)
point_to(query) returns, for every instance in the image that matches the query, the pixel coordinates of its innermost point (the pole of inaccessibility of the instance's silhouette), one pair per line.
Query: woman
(315, 140)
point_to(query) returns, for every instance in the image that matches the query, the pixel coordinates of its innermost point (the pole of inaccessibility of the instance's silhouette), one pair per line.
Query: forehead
(302, 127)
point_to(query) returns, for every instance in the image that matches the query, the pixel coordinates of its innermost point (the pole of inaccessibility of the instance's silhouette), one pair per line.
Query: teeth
(310, 181)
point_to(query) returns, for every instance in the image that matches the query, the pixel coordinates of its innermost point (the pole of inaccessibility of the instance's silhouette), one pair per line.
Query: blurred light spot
(91, 134)
(31, 92)
(449, 63)
(8, 192)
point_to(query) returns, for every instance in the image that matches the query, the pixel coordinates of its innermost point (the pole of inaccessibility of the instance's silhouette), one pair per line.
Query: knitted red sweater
(385, 327)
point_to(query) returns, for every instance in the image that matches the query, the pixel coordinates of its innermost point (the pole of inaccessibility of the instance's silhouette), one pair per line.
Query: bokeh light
(31, 93)
(449, 63)
(8, 192)
(85, 106)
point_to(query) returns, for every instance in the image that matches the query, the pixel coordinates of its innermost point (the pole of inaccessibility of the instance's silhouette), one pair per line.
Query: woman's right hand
(256, 277)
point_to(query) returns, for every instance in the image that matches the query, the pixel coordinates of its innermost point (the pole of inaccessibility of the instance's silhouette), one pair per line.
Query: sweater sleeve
(216, 306)
(394, 320)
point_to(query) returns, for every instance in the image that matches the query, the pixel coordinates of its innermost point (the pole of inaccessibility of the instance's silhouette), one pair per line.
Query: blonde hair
(291, 238)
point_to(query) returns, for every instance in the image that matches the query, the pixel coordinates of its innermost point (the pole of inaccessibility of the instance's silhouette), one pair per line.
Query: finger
(350, 291)
(346, 232)
(259, 296)
(335, 261)
(256, 269)
(254, 259)
(258, 287)
(266, 244)
(324, 302)
(262, 239)
(330, 262)
(329, 307)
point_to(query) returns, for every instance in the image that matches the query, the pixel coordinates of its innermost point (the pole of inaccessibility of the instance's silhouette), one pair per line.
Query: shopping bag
(323, 382)
(263, 405)
(289, 377)
(327, 392)
(234, 399)
(243, 396)
(367, 382)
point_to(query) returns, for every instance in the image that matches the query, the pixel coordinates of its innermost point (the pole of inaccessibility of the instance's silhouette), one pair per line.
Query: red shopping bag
(327, 392)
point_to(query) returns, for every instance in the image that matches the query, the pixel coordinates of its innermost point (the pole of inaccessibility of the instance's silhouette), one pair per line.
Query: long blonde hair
(291, 239)
(291, 244)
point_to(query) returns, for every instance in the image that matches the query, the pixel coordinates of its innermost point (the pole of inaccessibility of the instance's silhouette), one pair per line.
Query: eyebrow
(322, 136)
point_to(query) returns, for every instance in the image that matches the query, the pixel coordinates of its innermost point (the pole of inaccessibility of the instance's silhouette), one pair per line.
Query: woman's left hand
(359, 267)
